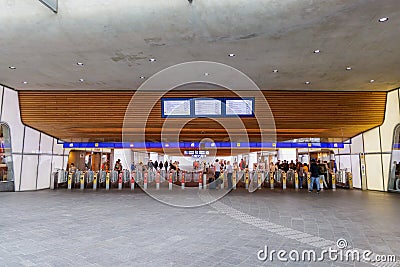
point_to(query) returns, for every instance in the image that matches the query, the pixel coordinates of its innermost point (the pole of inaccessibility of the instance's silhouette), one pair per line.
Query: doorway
(6, 163)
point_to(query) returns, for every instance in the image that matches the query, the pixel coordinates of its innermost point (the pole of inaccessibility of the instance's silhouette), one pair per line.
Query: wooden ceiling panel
(98, 115)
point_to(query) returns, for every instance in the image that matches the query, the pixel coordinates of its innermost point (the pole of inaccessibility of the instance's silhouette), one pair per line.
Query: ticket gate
(102, 179)
(89, 179)
(113, 179)
(60, 179)
(290, 179)
(76, 179)
(241, 177)
(126, 178)
(278, 179)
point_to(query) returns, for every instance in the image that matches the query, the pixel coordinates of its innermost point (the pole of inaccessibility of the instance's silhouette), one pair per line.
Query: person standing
(314, 169)
(242, 165)
(300, 173)
(292, 166)
(150, 165)
(229, 171)
(161, 165)
(72, 168)
(155, 164)
(217, 171)
(118, 166)
(166, 166)
(322, 171)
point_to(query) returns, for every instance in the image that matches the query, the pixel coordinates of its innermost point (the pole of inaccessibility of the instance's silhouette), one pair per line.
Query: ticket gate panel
(76, 179)
(114, 179)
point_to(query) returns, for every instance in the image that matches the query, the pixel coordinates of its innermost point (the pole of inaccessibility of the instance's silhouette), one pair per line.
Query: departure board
(239, 107)
(176, 108)
(209, 107)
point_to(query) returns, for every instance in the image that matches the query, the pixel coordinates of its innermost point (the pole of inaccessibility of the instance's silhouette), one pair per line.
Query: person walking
(314, 169)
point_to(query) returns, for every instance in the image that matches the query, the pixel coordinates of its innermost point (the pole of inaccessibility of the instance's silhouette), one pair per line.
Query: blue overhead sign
(183, 145)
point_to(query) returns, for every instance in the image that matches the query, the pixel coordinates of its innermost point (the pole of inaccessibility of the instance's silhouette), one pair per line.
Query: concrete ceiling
(116, 38)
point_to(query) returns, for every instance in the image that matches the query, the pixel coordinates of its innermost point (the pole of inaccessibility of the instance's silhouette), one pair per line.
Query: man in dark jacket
(314, 169)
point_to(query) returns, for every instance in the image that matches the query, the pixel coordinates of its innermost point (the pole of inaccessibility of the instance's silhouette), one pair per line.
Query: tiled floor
(60, 228)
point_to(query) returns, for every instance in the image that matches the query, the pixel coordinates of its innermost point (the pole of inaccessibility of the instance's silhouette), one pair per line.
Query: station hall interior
(321, 83)
(192, 102)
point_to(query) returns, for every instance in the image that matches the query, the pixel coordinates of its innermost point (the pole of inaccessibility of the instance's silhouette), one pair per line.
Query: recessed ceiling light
(232, 55)
(25, 82)
(348, 68)
(81, 80)
(152, 59)
(12, 68)
(79, 63)
(206, 74)
(383, 19)
(307, 82)
(371, 81)
(142, 77)
(317, 51)
(275, 71)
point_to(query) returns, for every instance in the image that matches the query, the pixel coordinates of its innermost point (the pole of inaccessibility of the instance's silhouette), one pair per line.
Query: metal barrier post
(350, 180)
(296, 180)
(247, 180)
(158, 176)
(272, 180)
(82, 180)
(108, 181)
(145, 181)
(200, 176)
(284, 180)
(309, 180)
(70, 180)
(95, 180)
(170, 181)
(183, 180)
(234, 179)
(120, 181)
(333, 182)
(204, 180)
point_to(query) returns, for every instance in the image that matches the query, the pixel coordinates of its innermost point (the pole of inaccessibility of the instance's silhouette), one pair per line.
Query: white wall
(35, 155)
(376, 144)
(252, 159)
(126, 157)
(287, 154)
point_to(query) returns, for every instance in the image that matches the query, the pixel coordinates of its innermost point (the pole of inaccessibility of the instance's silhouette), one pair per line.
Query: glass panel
(6, 164)
(394, 177)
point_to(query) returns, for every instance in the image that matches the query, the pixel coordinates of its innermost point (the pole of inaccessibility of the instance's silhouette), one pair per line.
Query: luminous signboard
(239, 106)
(176, 107)
(207, 107)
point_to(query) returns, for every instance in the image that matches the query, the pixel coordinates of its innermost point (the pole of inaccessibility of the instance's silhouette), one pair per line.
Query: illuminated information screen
(207, 107)
(203, 107)
(239, 107)
(176, 108)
